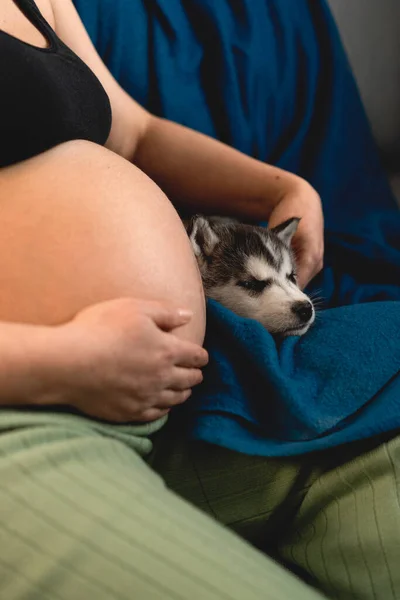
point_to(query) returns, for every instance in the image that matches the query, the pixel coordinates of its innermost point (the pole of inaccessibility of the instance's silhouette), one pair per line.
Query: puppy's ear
(202, 236)
(286, 230)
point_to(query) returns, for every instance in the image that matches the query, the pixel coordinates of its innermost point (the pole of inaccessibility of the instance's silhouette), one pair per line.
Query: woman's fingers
(189, 355)
(167, 399)
(309, 264)
(308, 242)
(165, 316)
(183, 379)
(152, 414)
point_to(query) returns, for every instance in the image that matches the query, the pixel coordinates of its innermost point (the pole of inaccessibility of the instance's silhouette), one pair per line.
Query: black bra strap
(31, 11)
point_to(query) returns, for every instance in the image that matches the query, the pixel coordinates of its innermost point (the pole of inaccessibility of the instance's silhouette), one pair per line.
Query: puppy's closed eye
(292, 277)
(254, 285)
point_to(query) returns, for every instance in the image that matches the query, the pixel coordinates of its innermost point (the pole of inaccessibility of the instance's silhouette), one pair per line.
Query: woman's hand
(126, 363)
(308, 242)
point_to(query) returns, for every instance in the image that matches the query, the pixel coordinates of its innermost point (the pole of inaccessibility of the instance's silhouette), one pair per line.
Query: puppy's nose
(303, 310)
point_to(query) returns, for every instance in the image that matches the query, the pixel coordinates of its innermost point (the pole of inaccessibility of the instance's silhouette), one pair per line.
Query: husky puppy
(251, 270)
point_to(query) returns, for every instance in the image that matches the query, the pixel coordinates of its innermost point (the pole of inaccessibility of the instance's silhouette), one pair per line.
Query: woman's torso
(48, 95)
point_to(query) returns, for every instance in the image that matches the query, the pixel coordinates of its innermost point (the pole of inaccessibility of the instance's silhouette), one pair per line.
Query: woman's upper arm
(129, 118)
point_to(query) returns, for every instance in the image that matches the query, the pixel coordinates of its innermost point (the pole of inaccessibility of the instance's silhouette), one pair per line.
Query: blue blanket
(270, 77)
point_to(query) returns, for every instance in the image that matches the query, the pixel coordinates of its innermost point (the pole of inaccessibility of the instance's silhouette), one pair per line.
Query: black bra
(47, 95)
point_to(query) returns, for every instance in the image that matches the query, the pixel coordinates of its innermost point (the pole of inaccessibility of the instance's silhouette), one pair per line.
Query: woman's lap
(331, 517)
(251, 495)
(83, 516)
(346, 532)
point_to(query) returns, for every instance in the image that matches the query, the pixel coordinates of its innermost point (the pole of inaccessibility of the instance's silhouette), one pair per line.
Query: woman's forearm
(201, 174)
(32, 358)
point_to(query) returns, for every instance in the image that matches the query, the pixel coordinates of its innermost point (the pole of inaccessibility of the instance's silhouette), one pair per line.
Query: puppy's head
(251, 270)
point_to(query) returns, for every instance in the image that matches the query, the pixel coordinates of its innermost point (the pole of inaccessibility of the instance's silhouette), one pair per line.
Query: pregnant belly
(80, 225)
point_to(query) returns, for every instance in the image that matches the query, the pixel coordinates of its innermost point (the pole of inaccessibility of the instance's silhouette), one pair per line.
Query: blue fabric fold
(305, 393)
(270, 78)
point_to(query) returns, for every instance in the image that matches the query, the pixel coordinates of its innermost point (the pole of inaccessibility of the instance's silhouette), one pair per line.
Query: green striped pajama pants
(83, 515)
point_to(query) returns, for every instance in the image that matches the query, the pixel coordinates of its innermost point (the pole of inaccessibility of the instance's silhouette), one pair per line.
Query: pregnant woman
(102, 324)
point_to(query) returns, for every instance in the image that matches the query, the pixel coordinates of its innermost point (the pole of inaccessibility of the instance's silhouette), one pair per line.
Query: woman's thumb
(168, 317)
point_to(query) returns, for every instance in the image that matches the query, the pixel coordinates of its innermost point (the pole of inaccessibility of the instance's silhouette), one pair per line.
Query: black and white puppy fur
(251, 270)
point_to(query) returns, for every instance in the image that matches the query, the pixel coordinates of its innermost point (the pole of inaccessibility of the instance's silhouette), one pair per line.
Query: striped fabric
(82, 516)
(332, 517)
(346, 534)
